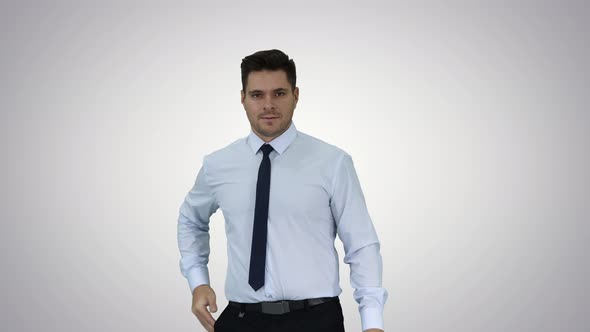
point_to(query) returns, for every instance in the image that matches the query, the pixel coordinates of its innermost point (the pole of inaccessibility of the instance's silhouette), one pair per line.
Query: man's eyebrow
(260, 91)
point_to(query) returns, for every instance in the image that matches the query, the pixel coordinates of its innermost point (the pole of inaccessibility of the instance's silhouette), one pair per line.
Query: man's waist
(282, 307)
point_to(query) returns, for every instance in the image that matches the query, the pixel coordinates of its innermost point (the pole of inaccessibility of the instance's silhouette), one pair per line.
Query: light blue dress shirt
(314, 195)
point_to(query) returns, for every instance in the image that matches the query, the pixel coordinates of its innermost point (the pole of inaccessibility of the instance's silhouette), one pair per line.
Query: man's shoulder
(313, 144)
(229, 152)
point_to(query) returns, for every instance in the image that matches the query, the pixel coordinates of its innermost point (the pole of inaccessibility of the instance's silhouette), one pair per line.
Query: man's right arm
(193, 230)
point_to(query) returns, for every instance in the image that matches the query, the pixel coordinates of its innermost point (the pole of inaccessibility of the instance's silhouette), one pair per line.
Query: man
(284, 196)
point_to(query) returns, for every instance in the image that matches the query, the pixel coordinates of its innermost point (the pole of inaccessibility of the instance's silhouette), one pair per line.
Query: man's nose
(268, 103)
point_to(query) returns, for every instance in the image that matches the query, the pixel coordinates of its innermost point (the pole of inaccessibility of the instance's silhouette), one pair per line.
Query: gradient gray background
(467, 122)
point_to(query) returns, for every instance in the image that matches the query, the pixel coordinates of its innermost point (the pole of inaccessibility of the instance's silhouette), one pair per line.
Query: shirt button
(269, 296)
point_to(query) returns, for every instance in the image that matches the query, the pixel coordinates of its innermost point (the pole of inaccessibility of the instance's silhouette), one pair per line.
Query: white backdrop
(467, 122)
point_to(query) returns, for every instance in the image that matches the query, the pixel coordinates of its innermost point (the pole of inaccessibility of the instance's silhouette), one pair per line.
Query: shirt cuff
(372, 318)
(197, 277)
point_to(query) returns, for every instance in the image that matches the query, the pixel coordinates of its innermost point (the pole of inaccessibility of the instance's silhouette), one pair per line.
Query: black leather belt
(281, 307)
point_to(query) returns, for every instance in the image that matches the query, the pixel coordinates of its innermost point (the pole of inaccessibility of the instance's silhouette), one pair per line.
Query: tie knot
(266, 149)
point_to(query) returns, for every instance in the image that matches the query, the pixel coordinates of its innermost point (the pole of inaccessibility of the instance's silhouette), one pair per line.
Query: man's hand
(203, 297)
(373, 330)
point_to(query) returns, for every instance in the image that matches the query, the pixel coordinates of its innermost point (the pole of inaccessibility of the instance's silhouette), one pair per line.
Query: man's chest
(296, 189)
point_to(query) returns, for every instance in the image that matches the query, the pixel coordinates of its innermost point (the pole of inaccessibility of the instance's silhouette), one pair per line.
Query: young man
(284, 196)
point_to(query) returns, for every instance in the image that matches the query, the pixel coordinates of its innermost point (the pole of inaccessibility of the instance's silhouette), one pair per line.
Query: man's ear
(242, 96)
(296, 94)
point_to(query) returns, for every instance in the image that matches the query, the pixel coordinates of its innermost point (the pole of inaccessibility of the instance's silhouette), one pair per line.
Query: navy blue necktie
(258, 253)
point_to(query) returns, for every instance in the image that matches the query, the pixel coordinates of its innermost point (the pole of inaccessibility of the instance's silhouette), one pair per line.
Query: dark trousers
(325, 317)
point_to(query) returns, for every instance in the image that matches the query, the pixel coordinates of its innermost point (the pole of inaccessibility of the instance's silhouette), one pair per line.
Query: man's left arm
(361, 244)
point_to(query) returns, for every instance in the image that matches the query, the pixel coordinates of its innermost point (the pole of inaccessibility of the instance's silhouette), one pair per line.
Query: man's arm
(361, 244)
(193, 243)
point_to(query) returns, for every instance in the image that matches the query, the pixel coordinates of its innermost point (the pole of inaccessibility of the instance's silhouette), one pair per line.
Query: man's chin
(270, 133)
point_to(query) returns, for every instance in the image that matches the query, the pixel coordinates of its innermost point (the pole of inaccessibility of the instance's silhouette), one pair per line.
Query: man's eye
(255, 95)
(280, 93)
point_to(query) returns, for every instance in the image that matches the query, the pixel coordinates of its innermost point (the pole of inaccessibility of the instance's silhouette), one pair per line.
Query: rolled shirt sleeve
(193, 230)
(361, 244)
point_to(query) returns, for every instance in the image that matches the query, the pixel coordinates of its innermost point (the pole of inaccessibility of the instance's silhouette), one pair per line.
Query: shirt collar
(279, 144)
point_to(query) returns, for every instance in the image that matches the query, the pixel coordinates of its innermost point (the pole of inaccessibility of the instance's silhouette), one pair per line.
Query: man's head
(269, 92)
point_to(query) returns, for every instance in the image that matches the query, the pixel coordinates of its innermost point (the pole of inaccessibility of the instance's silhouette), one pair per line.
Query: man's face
(269, 102)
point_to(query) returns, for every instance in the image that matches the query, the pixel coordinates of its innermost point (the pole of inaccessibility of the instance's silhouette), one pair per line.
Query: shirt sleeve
(361, 245)
(193, 230)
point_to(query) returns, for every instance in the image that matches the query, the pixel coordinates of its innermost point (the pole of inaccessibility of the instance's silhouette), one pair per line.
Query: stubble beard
(271, 133)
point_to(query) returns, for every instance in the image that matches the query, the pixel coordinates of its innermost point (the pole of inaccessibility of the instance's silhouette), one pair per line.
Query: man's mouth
(269, 117)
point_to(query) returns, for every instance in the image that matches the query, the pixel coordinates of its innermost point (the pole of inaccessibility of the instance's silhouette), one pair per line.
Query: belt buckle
(275, 308)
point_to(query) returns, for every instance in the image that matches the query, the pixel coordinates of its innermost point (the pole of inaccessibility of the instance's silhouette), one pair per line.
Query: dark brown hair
(268, 60)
